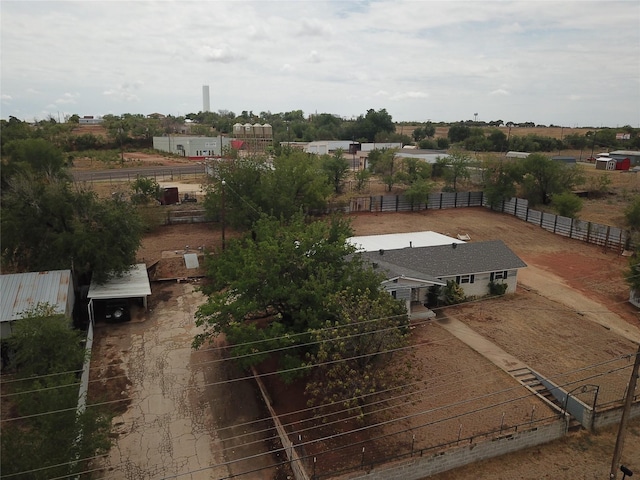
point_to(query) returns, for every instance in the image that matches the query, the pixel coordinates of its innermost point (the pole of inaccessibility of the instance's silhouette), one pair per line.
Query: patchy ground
(545, 332)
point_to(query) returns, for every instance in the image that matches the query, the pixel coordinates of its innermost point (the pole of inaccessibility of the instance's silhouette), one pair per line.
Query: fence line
(606, 236)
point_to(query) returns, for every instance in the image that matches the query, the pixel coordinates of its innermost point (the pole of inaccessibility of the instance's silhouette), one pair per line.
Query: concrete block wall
(419, 467)
(613, 416)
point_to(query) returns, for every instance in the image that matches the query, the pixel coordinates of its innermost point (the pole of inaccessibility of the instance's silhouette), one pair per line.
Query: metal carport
(133, 284)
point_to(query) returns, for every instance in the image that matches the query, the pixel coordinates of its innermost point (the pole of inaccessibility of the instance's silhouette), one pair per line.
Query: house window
(465, 279)
(498, 275)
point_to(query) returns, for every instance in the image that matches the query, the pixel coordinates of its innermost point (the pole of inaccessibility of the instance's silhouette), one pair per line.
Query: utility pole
(617, 452)
(223, 225)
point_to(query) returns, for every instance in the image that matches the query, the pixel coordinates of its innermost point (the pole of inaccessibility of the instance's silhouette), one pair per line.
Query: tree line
(131, 131)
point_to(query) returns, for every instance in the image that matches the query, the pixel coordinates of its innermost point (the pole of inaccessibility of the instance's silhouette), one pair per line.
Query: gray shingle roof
(444, 260)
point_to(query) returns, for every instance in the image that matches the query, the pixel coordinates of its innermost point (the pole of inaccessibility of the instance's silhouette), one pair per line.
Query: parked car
(189, 198)
(117, 310)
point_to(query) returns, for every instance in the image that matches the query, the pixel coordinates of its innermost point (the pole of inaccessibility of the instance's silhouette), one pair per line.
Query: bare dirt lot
(544, 330)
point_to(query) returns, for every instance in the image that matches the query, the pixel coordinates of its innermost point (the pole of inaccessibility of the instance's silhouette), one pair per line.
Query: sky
(567, 63)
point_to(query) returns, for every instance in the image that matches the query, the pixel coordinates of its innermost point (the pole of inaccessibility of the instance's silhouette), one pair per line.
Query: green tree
(336, 167)
(418, 192)
(458, 133)
(145, 190)
(44, 442)
(459, 166)
(34, 156)
(544, 177)
(567, 204)
(500, 180)
(296, 182)
(382, 163)
(282, 273)
(362, 179)
(46, 225)
(355, 354)
(416, 169)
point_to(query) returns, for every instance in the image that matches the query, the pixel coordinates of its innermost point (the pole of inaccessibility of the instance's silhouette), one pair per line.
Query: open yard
(569, 314)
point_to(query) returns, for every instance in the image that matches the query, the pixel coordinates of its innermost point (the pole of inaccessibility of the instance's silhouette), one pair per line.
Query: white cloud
(381, 93)
(404, 95)
(500, 92)
(314, 28)
(6, 97)
(67, 98)
(314, 57)
(287, 68)
(125, 92)
(223, 54)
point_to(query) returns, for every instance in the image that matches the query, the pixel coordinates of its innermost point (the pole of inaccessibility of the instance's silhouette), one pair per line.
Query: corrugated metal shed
(21, 292)
(133, 284)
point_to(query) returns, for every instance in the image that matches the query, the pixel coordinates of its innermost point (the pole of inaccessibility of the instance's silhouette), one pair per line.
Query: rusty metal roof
(21, 292)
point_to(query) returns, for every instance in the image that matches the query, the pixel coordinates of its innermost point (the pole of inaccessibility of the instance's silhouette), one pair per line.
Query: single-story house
(413, 266)
(132, 285)
(21, 292)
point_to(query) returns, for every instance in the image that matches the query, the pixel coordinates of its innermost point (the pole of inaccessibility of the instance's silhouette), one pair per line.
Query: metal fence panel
(580, 230)
(563, 226)
(534, 216)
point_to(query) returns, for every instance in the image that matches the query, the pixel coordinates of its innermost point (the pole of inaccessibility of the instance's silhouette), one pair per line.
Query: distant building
(192, 147)
(90, 120)
(632, 155)
(517, 154)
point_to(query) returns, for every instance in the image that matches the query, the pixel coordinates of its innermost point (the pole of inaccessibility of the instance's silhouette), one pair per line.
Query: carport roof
(133, 284)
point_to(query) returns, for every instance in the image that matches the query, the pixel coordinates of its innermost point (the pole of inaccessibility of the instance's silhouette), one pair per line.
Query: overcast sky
(569, 63)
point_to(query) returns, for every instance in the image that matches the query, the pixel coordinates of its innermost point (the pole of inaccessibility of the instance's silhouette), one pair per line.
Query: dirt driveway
(177, 415)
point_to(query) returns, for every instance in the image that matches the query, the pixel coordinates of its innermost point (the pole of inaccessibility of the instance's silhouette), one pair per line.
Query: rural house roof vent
(454, 245)
(381, 251)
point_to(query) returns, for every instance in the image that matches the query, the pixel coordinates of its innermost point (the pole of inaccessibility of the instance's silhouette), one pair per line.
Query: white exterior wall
(191, 146)
(480, 285)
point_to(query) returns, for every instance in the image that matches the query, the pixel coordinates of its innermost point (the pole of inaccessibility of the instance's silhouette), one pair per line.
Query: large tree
(353, 358)
(383, 163)
(543, 177)
(48, 225)
(459, 166)
(500, 179)
(336, 167)
(294, 181)
(284, 274)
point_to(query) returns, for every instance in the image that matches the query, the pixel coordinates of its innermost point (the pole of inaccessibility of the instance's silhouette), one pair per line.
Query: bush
(497, 288)
(567, 204)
